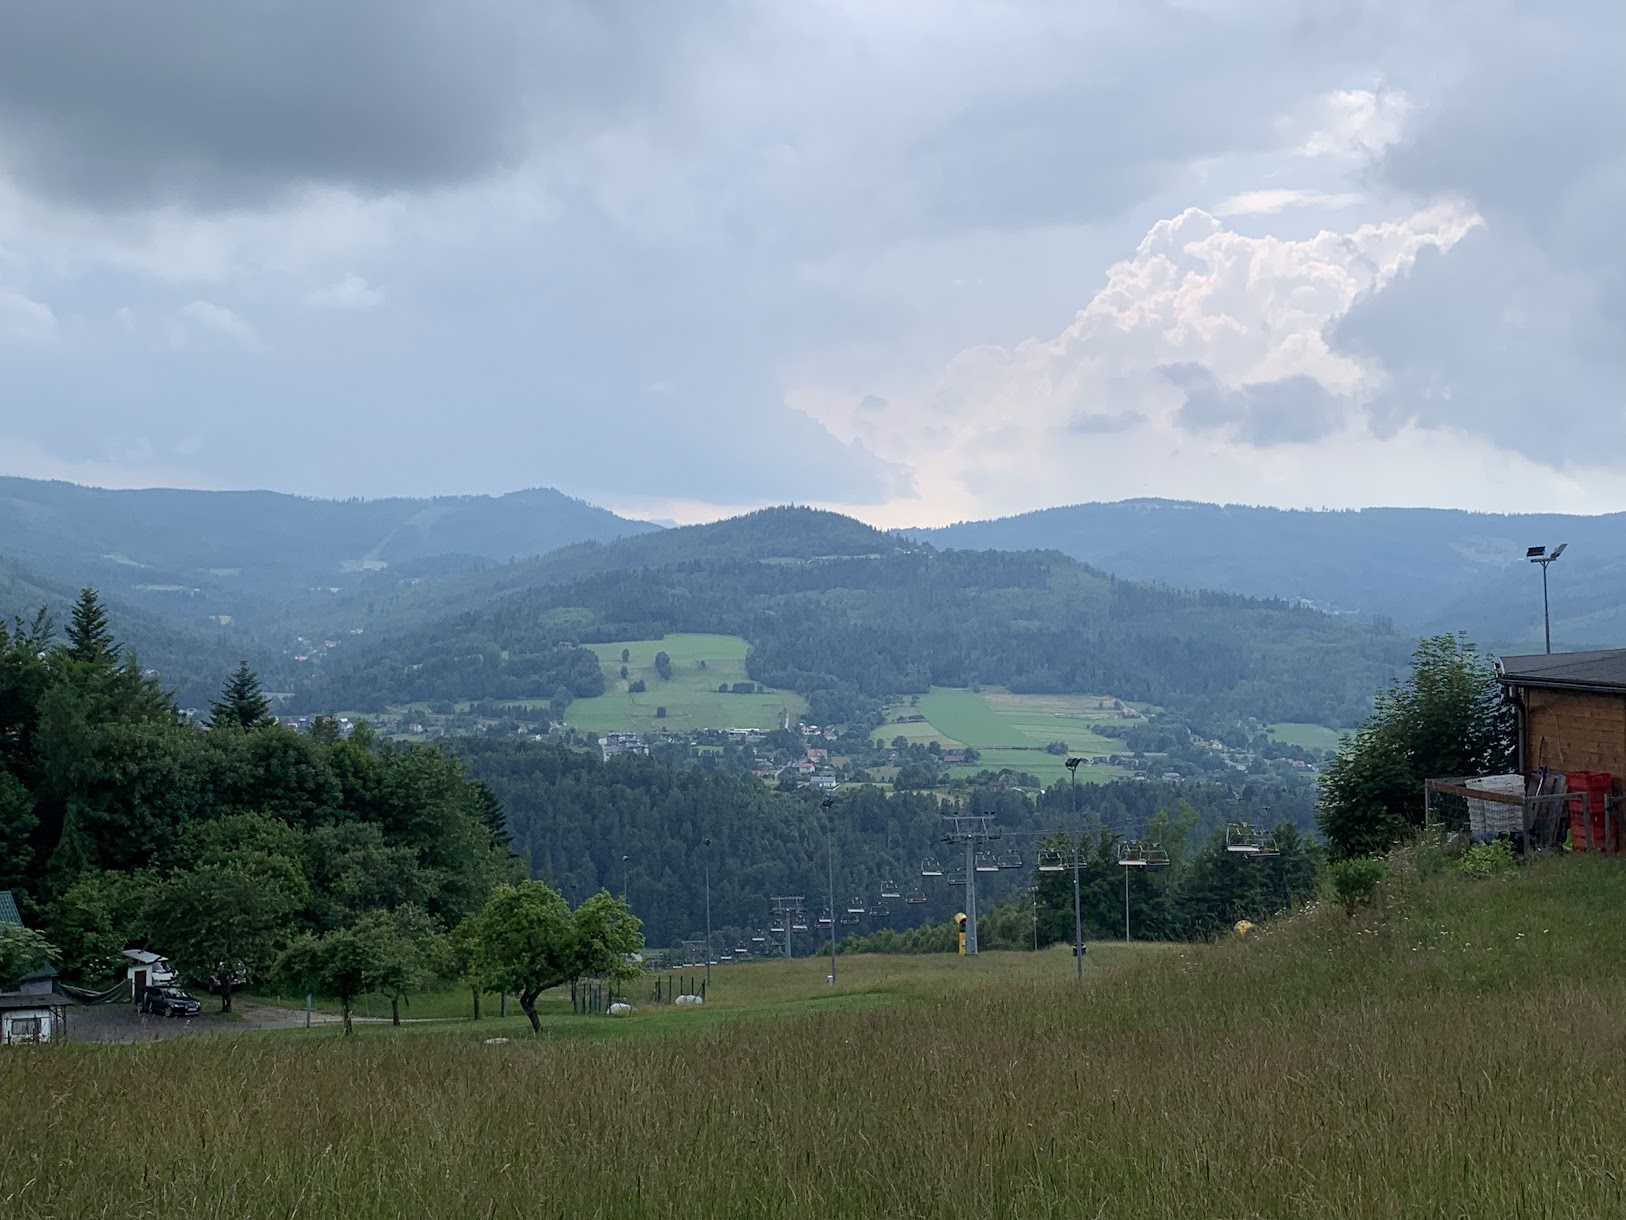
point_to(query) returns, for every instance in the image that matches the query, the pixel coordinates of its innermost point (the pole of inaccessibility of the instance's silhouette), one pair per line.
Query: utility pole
(974, 830)
(706, 843)
(790, 910)
(827, 804)
(1078, 848)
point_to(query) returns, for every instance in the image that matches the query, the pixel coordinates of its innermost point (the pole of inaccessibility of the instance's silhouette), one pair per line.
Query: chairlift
(1051, 862)
(1132, 853)
(957, 877)
(1010, 859)
(825, 921)
(777, 928)
(986, 863)
(1244, 840)
(931, 868)
(759, 940)
(798, 927)
(889, 889)
(915, 898)
(856, 907)
(879, 911)
(849, 919)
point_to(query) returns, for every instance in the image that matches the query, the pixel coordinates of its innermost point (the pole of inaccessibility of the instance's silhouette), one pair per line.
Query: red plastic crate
(1597, 785)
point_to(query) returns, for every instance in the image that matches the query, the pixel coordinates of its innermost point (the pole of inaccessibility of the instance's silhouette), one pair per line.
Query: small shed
(32, 1016)
(1571, 710)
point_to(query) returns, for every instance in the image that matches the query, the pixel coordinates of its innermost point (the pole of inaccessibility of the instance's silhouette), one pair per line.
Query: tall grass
(1455, 1051)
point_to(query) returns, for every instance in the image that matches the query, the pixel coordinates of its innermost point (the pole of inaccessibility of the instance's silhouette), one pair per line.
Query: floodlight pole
(1126, 905)
(624, 860)
(707, 845)
(830, 858)
(1078, 848)
(1539, 554)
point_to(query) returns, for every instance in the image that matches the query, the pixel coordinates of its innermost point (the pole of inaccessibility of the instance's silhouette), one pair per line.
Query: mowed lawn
(1009, 730)
(1455, 1051)
(690, 697)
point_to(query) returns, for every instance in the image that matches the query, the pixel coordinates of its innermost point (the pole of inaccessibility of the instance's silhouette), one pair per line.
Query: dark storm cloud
(1292, 410)
(116, 103)
(1519, 333)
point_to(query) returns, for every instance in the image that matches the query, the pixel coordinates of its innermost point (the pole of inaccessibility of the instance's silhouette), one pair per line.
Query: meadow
(1456, 1051)
(690, 697)
(1010, 730)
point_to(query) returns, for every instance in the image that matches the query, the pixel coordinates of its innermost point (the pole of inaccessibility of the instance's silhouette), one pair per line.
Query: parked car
(169, 1002)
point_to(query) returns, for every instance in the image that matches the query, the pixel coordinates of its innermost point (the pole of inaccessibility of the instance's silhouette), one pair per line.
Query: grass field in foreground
(690, 696)
(1459, 1051)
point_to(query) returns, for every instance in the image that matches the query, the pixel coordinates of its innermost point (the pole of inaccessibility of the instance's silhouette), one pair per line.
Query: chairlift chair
(777, 928)
(798, 927)
(1242, 839)
(889, 889)
(759, 940)
(915, 898)
(856, 907)
(931, 868)
(879, 911)
(1051, 862)
(986, 863)
(825, 921)
(1010, 859)
(849, 919)
(957, 877)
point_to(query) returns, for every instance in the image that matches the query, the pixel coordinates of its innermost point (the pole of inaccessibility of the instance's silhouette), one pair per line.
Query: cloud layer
(924, 261)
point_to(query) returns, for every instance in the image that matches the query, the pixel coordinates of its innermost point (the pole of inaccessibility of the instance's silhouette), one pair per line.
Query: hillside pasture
(1454, 1051)
(690, 697)
(1010, 730)
(1307, 736)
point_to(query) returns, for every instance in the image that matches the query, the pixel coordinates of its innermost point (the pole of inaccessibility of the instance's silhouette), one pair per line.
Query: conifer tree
(242, 705)
(89, 636)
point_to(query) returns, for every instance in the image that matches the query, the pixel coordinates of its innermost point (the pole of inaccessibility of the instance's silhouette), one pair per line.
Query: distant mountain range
(1426, 570)
(240, 554)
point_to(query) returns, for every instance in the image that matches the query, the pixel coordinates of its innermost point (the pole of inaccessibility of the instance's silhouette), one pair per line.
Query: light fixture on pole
(827, 804)
(1539, 554)
(624, 860)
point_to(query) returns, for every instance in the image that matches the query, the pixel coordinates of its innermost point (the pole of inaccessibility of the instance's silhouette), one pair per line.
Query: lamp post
(827, 804)
(1078, 847)
(706, 843)
(624, 860)
(1538, 554)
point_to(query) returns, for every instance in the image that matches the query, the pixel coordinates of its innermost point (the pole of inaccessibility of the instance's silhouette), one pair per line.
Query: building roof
(1604, 670)
(145, 958)
(37, 999)
(8, 909)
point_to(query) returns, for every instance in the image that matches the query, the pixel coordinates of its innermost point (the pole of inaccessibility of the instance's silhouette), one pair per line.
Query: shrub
(1487, 860)
(1355, 881)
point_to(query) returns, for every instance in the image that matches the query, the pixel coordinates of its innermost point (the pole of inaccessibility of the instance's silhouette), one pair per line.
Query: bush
(1488, 860)
(636, 687)
(1355, 881)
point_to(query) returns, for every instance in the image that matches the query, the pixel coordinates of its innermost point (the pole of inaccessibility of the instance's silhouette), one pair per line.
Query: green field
(1307, 736)
(1454, 1051)
(690, 697)
(1010, 730)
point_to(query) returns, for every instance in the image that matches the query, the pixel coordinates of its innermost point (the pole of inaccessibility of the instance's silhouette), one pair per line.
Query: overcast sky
(921, 260)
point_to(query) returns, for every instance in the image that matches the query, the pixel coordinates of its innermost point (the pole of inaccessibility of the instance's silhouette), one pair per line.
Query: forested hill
(850, 617)
(189, 663)
(237, 553)
(1429, 570)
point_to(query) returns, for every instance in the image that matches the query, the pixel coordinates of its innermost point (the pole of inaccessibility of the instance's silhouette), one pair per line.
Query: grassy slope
(690, 697)
(1458, 1052)
(1010, 730)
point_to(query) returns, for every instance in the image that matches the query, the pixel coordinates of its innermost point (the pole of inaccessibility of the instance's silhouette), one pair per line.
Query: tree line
(245, 851)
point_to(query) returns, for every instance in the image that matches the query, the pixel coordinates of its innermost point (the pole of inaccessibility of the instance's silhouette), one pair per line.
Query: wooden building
(1571, 709)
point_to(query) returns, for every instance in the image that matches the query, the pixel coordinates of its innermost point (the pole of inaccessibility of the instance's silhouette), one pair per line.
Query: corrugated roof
(1603, 670)
(8, 909)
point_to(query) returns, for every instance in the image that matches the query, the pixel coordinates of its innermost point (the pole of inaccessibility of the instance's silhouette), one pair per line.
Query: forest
(849, 631)
(124, 823)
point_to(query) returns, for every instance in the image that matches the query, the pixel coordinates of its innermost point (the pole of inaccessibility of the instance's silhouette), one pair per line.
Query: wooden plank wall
(1570, 731)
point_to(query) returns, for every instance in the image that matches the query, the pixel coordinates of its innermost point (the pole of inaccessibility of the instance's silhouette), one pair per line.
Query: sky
(916, 261)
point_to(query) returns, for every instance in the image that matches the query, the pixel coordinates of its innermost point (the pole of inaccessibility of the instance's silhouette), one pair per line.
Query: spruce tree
(241, 704)
(89, 636)
(488, 808)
